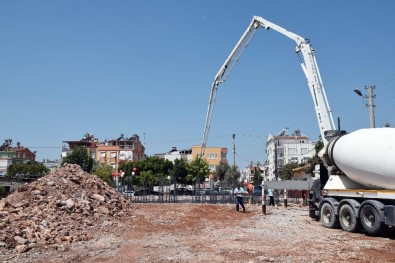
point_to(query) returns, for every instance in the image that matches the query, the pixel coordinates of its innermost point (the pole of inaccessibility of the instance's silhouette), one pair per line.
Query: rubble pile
(68, 205)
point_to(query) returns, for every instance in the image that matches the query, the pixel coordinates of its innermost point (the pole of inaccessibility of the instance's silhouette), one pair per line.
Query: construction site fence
(199, 196)
(209, 199)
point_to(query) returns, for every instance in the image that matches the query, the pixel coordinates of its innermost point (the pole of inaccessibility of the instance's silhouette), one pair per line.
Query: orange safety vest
(250, 188)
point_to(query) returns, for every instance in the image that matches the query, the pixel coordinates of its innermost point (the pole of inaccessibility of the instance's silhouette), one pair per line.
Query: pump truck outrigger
(357, 178)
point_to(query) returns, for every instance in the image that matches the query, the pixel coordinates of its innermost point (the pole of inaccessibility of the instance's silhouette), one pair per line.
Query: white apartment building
(283, 149)
(174, 154)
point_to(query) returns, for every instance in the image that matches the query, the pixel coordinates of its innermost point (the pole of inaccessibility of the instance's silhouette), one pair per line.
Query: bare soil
(84, 228)
(217, 233)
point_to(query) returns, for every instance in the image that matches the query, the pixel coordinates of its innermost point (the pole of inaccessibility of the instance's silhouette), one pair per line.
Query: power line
(43, 147)
(388, 78)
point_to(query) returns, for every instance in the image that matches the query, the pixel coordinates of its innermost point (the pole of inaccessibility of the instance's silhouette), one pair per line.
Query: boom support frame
(308, 64)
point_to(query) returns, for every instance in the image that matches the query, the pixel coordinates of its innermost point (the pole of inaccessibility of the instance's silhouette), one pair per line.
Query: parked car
(128, 193)
(200, 192)
(229, 190)
(216, 192)
(181, 191)
(143, 192)
(210, 192)
(258, 191)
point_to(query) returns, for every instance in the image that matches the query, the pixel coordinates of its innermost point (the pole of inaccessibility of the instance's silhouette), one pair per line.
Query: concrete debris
(66, 206)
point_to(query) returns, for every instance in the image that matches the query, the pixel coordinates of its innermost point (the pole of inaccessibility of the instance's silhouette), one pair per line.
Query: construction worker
(250, 190)
(239, 192)
(271, 196)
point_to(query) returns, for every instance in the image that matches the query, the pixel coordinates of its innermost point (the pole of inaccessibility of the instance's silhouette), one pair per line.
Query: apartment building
(88, 141)
(283, 149)
(213, 155)
(112, 152)
(10, 155)
(174, 154)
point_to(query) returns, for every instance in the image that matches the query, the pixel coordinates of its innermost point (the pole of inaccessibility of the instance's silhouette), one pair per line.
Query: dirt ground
(217, 233)
(71, 216)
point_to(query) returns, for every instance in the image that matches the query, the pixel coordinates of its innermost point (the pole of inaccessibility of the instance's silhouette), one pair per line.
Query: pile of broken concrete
(66, 206)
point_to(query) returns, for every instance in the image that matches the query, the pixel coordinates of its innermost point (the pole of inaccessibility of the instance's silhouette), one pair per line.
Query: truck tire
(370, 220)
(328, 217)
(348, 219)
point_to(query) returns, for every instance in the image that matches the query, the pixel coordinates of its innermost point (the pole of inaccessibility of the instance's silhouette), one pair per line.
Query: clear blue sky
(146, 67)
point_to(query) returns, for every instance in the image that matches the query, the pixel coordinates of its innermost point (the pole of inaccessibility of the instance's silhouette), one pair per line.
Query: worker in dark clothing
(239, 192)
(271, 197)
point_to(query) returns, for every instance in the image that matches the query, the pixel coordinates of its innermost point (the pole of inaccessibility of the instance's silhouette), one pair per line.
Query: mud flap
(389, 215)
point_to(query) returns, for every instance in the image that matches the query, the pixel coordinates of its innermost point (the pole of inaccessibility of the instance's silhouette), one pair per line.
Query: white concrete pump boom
(357, 186)
(221, 77)
(309, 66)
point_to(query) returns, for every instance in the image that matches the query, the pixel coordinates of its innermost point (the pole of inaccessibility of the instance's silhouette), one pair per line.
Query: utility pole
(234, 150)
(275, 161)
(371, 105)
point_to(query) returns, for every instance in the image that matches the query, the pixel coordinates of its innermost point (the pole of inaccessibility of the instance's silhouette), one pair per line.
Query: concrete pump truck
(357, 179)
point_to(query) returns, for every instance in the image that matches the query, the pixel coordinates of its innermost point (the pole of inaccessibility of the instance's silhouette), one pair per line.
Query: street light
(359, 93)
(371, 105)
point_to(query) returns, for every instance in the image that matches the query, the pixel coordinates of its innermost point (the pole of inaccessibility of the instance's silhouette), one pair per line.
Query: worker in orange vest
(250, 190)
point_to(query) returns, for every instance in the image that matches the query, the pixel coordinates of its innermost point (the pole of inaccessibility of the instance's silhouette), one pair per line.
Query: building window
(113, 154)
(211, 156)
(280, 163)
(305, 151)
(291, 151)
(280, 152)
(212, 167)
(113, 165)
(102, 154)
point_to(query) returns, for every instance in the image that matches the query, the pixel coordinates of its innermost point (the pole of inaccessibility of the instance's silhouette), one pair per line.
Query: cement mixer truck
(355, 186)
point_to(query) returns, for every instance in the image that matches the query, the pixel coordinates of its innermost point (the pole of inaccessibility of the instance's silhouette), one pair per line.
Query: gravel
(217, 233)
(165, 232)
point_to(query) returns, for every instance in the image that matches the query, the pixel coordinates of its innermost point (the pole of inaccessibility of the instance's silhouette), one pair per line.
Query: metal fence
(197, 198)
(144, 194)
(209, 199)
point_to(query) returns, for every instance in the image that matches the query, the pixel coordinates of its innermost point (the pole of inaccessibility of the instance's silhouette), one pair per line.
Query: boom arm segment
(308, 64)
(312, 73)
(223, 74)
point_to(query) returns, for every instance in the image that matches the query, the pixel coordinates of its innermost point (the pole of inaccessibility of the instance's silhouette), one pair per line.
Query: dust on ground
(61, 219)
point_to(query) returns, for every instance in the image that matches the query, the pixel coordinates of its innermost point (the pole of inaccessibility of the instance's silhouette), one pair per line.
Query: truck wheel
(347, 218)
(370, 220)
(327, 216)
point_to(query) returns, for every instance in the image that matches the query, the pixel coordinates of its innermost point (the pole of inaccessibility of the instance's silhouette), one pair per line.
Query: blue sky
(146, 67)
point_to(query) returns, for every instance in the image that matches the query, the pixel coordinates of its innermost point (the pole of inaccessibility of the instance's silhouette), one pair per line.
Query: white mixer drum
(367, 156)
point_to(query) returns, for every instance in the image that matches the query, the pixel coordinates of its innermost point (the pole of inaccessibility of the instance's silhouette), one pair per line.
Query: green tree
(286, 172)
(31, 169)
(146, 178)
(220, 170)
(157, 168)
(315, 159)
(104, 172)
(2, 191)
(180, 171)
(80, 156)
(193, 170)
(232, 176)
(257, 176)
